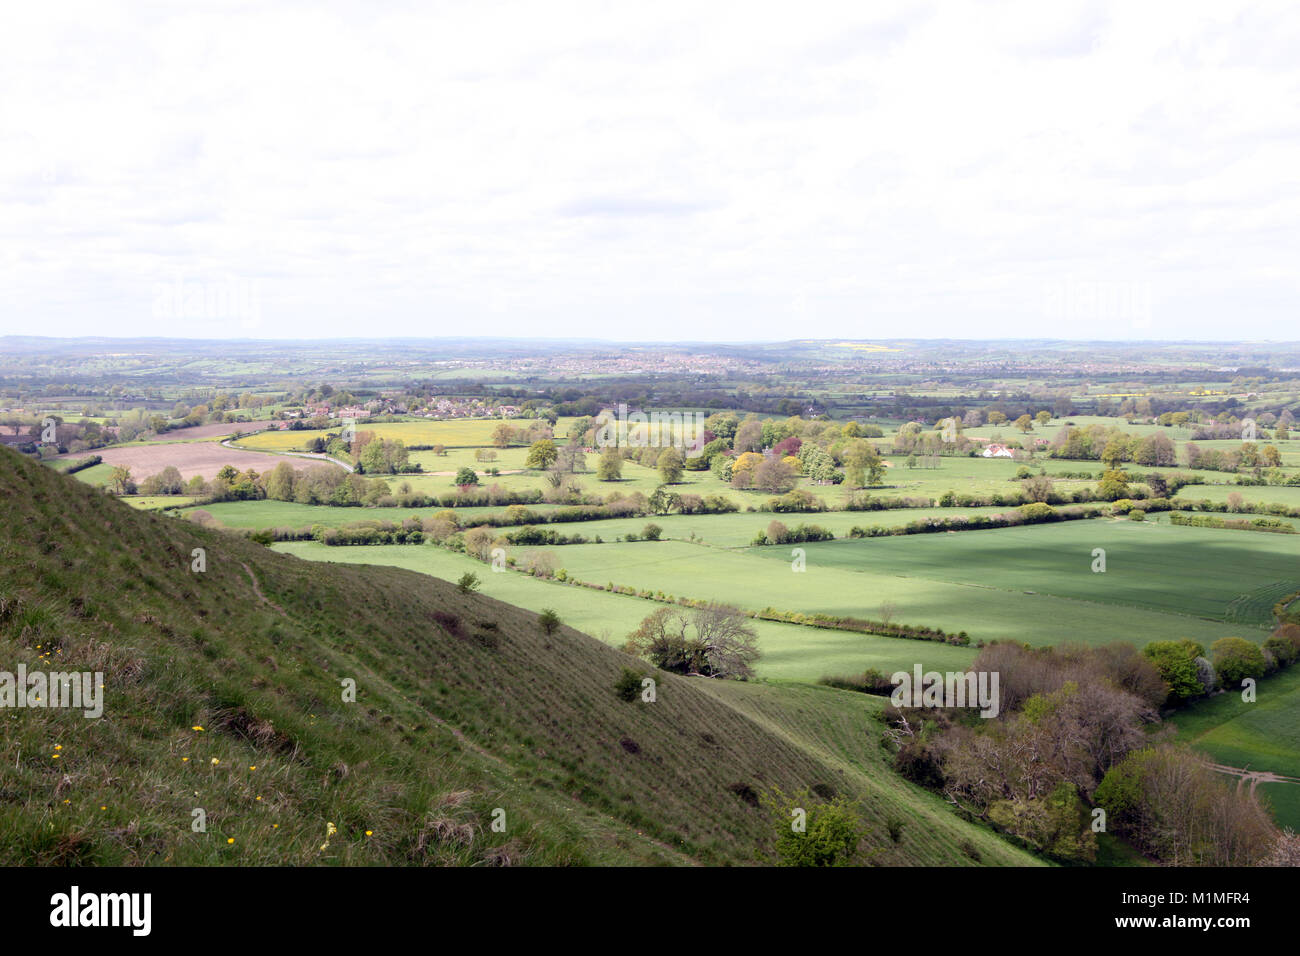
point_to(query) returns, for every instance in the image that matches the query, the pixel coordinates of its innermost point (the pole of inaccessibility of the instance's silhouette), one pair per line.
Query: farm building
(998, 451)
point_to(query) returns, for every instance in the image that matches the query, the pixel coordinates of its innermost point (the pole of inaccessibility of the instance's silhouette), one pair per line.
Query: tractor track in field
(1252, 777)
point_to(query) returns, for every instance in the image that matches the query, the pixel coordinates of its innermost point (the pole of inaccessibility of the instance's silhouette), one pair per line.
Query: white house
(998, 451)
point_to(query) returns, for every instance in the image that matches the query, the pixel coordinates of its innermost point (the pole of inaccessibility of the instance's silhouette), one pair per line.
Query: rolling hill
(224, 693)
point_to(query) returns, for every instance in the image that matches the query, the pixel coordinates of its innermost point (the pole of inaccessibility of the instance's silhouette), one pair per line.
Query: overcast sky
(703, 170)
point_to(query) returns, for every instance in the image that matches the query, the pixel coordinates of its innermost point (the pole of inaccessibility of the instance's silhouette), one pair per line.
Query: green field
(1232, 577)
(1008, 609)
(154, 502)
(854, 578)
(99, 474)
(735, 530)
(1264, 735)
(789, 651)
(287, 514)
(1288, 495)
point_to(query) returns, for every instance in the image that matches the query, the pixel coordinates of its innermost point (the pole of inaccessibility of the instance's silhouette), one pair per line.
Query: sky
(653, 171)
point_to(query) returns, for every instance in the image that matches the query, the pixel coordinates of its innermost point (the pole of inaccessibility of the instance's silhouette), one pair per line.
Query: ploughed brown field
(211, 431)
(193, 458)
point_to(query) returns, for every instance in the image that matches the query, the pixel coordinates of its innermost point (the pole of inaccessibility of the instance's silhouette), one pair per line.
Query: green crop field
(987, 611)
(1163, 518)
(736, 530)
(1264, 735)
(1227, 576)
(1288, 495)
(764, 577)
(96, 474)
(155, 502)
(288, 514)
(789, 651)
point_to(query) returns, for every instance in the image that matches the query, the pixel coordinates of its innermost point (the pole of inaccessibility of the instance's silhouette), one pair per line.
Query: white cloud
(675, 170)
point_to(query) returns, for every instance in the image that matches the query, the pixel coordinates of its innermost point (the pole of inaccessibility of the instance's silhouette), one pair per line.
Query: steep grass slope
(224, 693)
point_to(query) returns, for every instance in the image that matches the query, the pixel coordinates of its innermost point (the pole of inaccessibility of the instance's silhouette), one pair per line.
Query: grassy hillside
(223, 693)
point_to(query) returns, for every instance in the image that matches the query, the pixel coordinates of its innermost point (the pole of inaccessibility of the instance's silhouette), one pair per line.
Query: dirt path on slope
(257, 589)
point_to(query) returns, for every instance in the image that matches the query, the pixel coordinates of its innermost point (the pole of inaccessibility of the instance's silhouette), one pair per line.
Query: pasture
(1231, 577)
(789, 651)
(288, 514)
(765, 577)
(736, 530)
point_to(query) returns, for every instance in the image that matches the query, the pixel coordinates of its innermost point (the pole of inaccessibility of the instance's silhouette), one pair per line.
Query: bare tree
(888, 610)
(729, 640)
(711, 641)
(1286, 852)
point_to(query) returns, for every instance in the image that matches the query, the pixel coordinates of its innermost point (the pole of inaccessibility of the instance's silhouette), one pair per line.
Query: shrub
(831, 834)
(449, 622)
(628, 685)
(870, 681)
(1235, 659)
(1176, 661)
(713, 641)
(1283, 651)
(468, 583)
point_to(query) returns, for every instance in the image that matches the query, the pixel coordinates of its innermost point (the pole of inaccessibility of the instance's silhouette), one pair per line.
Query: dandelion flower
(215, 761)
(231, 840)
(195, 727)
